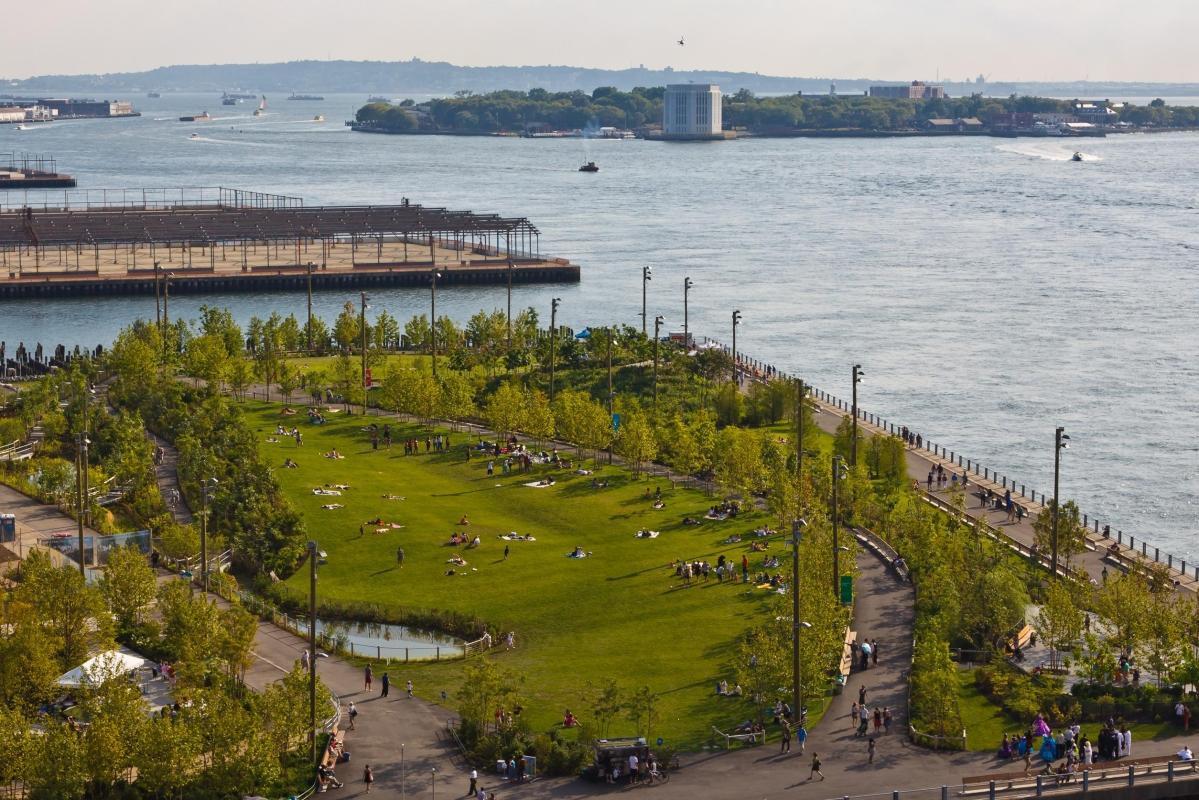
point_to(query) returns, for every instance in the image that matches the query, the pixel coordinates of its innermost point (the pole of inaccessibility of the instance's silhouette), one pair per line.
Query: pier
(228, 240)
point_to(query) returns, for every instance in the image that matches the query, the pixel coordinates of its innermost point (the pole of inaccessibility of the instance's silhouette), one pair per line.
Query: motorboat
(22, 127)
(319, 118)
(194, 136)
(153, 95)
(1076, 157)
(590, 166)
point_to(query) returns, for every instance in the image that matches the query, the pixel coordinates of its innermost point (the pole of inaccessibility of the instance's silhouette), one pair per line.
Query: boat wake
(1047, 151)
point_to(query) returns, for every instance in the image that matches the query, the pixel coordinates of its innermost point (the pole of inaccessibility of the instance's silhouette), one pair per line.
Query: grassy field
(986, 722)
(619, 613)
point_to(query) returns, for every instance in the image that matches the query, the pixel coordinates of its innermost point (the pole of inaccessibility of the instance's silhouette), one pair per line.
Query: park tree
(635, 439)
(117, 717)
(72, 613)
(762, 663)
(205, 358)
(285, 710)
(56, 766)
(1071, 535)
(219, 323)
(1124, 602)
(738, 460)
(933, 688)
(167, 756)
(1164, 644)
(178, 541)
(346, 328)
(1059, 621)
(288, 379)
(606, 700)
(483, 688)
(641, 709)
(504, 409)
(540, 420)
(317, 333)
(385, 333)
(729, 404)
(291, 335)
(29, 666)
(239, 375)
(416, 331)
(238, 628)
(191, 630)
(128, 585)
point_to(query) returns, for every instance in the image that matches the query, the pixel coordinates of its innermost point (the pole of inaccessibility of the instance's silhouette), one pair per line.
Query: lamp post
(206, 486)
(81, 443)
(657, 333)
(800, 393)
(433, 276)
(647, 275)
(310, 266)
(736, 322)
(553, 340)
(853, 446)
(611, 394)
(157, 297)
(839, 473)
(166, 299)
(687, 284)
(365, 383)
(796, 692)
(434, 783)
(1060, 440)
(312, 559)
(403, 774)
(509, 316)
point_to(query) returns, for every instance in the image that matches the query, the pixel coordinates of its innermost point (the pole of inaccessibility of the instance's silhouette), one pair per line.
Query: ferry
(590, 166)
(261, 107)
(203, 116)
(295, 96)
(229, 100)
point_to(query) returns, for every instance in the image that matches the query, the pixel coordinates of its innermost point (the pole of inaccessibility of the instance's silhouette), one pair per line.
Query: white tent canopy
(102, 667)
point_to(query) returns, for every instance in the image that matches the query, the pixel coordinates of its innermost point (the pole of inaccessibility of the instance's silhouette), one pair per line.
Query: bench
(846, 664)
(1099, 772)
(330, 758)
(1022, 638)
(729, 738)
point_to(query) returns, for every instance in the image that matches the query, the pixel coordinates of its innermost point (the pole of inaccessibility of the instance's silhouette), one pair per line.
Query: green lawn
(986, 722)
(619, 613)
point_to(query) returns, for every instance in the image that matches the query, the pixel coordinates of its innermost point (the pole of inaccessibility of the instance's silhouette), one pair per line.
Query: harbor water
(992, 289)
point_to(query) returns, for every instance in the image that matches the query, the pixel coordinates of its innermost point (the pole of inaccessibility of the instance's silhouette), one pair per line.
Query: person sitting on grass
(690, 521)
(464, 520)
(334, 455)
(456, 559)
(569, 721)
(475, 542)
(289, 464)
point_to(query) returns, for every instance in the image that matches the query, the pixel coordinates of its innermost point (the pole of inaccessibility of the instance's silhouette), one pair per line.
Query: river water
(991, 289)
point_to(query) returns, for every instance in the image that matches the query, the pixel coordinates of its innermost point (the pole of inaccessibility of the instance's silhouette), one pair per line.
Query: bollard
(1169, 772)
(1086, 780)
(1005, 481)
(1132, 775)
(1040, 786)
(405, 655)
(1144, 548)
(378, 651)
(1156, 554)
(1022, 490)
(1119, 537)
(438, 652)
(991, 790)
(895, 794)
(1085, 521)
(944, 793)
(1170, 560)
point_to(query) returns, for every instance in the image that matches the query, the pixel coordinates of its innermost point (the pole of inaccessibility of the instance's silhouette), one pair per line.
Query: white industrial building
(692, 111)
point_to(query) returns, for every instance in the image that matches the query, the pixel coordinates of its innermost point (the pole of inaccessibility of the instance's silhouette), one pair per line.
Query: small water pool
(377, 640)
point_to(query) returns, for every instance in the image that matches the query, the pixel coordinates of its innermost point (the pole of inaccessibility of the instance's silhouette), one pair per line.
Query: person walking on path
(386, 683)
(785, 743)
(815, 767)
(368, 777)
(862, 695)
(304, 660)
(853, 716)
(887, 719)
(368, 676)
(474, 782)
(801, 736)
(353, 714)
(874, 652)
(400, 557)
(410, 690)
(878, 721)
(870, 748)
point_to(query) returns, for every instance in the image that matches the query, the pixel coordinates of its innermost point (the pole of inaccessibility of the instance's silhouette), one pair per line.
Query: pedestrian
(874, 652)
(368, 777)
(1186, 717)
(304, 660)
(863, 719)
(853, 716)
(368, 675)
(801, 736)
(410, 688)
(870, 747)
(400, 557)
(815, 767)
(785, 744)
(353, 713)
(386, 684)
(474, 782)
(878, 720)
(506, 552)
(862, 695)
(887, 718)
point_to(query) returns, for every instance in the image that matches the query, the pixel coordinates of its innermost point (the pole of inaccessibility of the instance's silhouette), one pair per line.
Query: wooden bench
(729, 738)
(846, 664)
(1022, 638)
(330, 758)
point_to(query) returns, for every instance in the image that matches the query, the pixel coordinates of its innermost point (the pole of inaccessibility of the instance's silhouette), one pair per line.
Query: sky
(1006, 40)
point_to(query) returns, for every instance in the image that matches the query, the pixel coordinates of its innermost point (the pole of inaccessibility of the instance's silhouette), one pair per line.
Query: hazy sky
(895, 39)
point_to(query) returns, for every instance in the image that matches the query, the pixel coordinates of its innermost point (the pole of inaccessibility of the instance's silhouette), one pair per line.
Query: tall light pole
(1060, 440)
(509, 317)
(853, 446)
(796, 692)
(657, 333)
(206, 486)
(312, 559)
(310, 266)
(365, 383)
(736, 322)
(553, 340)
(433, 276)
(611, 394)
(800, 393)
(157, 297)
(687, 284)
(166, 299)
(434, 783)
(647, 275)
(839, 473)
(81, 443)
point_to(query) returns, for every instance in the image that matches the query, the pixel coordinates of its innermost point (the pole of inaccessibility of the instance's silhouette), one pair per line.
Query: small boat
(319, 118)
(261, 107)
(589, 167)
(1076, 157)
(295, 96)
(229, 100)
(22, 127)
(375, 98)
(201, 117)
(153, 95)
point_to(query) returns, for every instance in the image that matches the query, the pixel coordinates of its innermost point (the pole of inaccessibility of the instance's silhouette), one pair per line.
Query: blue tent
(584, 334)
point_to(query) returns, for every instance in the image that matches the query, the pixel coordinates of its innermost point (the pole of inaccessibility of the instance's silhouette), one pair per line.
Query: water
(991, 288)
(391, 640)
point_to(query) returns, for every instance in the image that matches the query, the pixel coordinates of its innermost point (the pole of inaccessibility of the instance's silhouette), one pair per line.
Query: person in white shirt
(1126, 738)
(1185, 754)
(632, 767)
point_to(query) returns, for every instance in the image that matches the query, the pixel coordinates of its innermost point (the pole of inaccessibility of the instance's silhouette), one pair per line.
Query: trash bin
(8, 528)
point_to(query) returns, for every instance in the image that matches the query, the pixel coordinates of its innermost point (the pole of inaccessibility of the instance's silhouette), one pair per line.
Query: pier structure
(227, 240)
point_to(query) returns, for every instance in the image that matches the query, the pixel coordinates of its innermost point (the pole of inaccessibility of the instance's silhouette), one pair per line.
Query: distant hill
(399, 78)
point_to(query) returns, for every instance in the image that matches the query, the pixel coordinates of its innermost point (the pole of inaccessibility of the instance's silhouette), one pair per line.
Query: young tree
(1071, 535)
(128, 585)
(385, 333)
(346, 329)
(416, 331)
(1124, 602)
(239, 375)
(504, 410)
(72, 613)
(606, 701)
(482, 689)
(635, 440)
(642, 710)
(1059, 621)
(287, 379)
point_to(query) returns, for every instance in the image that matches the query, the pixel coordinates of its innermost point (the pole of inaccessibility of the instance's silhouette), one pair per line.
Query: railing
(141, 199)
(387, 653)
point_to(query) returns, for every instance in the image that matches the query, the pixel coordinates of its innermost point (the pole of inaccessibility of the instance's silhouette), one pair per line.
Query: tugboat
(589, 167)
(1076, 157)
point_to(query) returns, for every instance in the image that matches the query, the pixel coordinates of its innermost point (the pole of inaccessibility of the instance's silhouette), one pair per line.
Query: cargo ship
(203, 116)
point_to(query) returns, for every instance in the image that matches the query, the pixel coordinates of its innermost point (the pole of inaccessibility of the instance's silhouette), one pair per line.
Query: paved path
(36, 521)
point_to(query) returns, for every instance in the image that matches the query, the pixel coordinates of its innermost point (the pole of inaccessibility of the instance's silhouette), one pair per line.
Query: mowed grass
(620, 614)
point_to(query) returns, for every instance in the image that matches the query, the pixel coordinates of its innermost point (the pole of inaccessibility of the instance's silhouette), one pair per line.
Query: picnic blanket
(538, 485)
(646, 534)
(332, 506)
(327, 492)
(516, 537)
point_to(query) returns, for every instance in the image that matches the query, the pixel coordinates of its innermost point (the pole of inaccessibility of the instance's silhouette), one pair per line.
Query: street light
(839, 473)
(657, 333)
(157, 297)
(736, 322)
(312, 559)
(853, 447)
(365, 383)
(800, 393)
(647, 275)
(81, 462)
(797, 527)
(687, 285)
(611, 394)
(1060, 440)
(434, 783)
(553, 340)
(310, 266)
(509, 317)
(207, 485)
(433, 276)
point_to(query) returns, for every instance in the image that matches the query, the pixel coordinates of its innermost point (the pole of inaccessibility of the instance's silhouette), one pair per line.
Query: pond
(378, 640)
